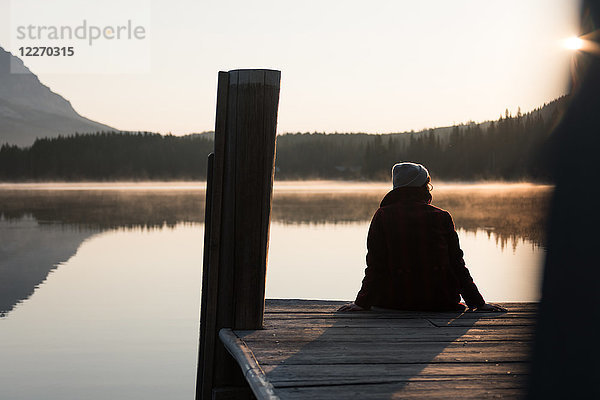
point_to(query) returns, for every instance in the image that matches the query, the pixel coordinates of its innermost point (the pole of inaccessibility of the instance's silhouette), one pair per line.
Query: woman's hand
(490, 308)
(350, 307)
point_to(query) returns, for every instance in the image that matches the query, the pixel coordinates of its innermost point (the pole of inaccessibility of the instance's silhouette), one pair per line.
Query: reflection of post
(233, 288)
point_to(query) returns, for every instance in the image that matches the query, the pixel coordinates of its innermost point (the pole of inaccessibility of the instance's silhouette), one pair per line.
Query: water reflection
(42, 227)
(99, 286)
(29, 251)
(512, 212)
(104, 209)
(327, 262)
(118, 320)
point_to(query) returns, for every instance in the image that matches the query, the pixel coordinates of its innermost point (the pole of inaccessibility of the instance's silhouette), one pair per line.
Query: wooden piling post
(236, 242)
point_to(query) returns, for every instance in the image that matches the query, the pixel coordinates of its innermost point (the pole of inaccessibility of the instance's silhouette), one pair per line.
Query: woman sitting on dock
(414, 261)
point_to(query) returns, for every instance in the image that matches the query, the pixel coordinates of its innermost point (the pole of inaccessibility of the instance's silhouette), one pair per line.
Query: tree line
(107, 156)
(511, 148)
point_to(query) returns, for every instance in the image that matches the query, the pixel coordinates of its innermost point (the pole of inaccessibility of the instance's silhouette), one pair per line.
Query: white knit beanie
(407, 174)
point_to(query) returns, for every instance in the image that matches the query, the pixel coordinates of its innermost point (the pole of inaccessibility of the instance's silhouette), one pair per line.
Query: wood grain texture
(470, 389)
(306, 375)
(308, 351)
(248, 364)
(209, 348)
(255, 130)
(405, 334)
(406, 314)
(374, 352)
(299, 306)
(242, 181)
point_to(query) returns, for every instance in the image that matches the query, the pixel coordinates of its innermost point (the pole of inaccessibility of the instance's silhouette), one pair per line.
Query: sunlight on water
(328, 262)
(151, 185)
(280, 186)
(509, 273)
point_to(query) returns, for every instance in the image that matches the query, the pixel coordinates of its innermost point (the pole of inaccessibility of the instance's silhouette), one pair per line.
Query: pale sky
(347, 66)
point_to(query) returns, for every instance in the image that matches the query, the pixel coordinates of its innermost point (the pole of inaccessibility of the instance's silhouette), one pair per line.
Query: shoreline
(279, 186)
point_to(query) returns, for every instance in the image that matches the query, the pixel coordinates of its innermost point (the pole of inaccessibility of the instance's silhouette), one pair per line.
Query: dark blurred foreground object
(566, 362)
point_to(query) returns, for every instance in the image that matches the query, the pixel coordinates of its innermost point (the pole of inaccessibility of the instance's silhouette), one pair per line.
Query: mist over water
(100, 283)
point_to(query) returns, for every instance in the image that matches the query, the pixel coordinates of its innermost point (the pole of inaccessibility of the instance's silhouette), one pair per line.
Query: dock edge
(255, 376)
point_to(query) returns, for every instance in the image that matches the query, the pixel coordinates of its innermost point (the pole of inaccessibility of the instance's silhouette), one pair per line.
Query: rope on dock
(255, 376)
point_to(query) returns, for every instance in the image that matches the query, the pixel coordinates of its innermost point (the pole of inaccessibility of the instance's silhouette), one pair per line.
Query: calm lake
(100, 283)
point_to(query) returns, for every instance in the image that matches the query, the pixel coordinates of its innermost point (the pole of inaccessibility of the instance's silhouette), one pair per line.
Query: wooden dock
(295, 349)
(308, 351)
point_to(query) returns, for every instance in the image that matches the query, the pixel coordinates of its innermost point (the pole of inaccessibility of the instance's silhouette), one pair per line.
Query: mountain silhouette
(29, 109)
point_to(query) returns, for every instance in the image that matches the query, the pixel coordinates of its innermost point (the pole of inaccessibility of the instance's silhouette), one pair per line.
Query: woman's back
(414, 261)
(411, 244)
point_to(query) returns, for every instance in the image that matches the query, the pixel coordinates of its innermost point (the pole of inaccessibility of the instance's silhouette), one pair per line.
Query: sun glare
(573, 43)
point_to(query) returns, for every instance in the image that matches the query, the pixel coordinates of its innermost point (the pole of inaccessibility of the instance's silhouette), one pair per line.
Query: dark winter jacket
(414, 261)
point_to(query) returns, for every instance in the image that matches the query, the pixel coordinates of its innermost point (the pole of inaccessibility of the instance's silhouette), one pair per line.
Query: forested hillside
(511, 148)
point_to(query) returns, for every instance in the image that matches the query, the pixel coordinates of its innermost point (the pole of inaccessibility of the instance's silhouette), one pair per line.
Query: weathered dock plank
(325, 306)
(405, 334)
(510, 388)
(308, 351)
(307, 375)
(345, 323)
(381, 314)
(374, 352)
